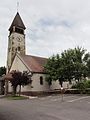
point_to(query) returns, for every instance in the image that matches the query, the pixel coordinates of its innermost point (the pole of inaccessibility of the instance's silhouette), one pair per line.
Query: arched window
(41, 80)
(18, 48)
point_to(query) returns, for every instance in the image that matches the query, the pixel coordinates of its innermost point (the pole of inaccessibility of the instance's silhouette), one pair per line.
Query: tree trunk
(70, 82)
(61, 82)
(14, 90)
(19, 90)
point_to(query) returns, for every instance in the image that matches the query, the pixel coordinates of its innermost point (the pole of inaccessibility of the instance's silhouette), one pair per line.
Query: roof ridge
(36, 56)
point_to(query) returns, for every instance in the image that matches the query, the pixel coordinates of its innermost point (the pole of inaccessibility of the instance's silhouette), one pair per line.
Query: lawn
(16, 97)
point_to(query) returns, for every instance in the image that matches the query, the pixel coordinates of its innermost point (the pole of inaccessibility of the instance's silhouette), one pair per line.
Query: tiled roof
(17, 22)
(36, 64)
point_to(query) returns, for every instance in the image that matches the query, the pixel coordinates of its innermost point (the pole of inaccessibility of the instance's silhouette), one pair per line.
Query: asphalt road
(74, 107)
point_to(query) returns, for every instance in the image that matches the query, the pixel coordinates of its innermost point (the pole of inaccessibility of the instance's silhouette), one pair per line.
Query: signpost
(62, 94)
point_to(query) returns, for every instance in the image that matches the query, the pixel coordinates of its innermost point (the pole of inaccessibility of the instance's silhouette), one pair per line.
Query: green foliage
(87, 83)
(16, 97)
(53, 69)
(82, 85)
(2, 71)
(72, 63)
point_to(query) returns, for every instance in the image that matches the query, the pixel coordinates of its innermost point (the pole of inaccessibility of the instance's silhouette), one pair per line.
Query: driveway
(74, 107)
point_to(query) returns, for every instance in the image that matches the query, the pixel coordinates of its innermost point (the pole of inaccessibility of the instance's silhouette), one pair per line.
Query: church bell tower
(16, 40)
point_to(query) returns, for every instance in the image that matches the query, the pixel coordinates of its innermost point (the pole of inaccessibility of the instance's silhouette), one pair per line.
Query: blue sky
(52, 25)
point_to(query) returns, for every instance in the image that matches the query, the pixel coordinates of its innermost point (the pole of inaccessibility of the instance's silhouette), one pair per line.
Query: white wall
(35, 86)
(18, 65)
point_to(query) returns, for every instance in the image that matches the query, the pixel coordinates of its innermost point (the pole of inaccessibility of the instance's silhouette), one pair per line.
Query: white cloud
(52, 25)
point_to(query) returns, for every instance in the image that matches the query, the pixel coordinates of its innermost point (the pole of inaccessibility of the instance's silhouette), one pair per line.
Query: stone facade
(16, 40)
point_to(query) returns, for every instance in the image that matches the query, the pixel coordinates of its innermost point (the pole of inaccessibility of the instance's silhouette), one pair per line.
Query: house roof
(17, 22)
(34, 63)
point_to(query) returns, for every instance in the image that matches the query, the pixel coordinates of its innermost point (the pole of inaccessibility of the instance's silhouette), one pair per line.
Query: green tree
(79, 62)
(70, 64)
(2, 71)
(87, 60)
(54, 70)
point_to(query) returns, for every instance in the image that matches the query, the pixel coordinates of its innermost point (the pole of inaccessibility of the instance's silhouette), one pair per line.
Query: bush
(82, 86)
(87, 83)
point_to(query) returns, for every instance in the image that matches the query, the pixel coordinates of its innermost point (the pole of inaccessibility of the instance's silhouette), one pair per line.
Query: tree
(79, 63)
(25, 80)
(2, 71)
(54, 70)
(87, 61)
(68, 59)
(21, 79)
(71, 64)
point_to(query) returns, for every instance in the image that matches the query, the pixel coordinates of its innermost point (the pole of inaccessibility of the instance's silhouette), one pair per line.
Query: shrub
(82, 84)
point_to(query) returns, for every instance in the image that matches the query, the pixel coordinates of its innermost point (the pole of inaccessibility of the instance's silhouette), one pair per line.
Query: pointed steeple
(17, 23)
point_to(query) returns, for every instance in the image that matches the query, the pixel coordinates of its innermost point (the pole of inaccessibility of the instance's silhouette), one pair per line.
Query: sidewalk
(2, 96)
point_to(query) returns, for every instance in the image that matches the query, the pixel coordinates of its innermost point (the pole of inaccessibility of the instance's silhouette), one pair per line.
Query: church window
(18, 30)
(18, 48)
(12, 54)
(12, 37)
(12, 42)
(12, 48)
(41, 80)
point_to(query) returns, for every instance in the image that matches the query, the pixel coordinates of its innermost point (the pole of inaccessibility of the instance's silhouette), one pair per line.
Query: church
(18, 60)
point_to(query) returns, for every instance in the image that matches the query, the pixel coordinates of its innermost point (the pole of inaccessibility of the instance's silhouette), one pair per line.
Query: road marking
(55, 99)
(60, 97)
(78, 99)
(88, 102)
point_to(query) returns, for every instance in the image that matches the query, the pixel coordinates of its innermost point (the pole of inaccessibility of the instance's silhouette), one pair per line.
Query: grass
(16, 97)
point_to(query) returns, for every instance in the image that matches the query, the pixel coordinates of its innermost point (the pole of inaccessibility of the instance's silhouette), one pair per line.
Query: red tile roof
(36, 64)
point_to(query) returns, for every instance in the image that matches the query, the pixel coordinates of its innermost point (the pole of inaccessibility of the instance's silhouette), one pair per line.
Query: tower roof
(17, 22)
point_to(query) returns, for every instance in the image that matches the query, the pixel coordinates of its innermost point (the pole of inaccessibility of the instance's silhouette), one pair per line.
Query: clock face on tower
(19, 39)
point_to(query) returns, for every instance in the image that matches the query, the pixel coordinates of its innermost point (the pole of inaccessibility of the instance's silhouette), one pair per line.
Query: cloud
(52, 25)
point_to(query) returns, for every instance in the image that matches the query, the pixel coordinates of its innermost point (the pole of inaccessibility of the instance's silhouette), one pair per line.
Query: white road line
(78, 99)
(64, 97)
(88, 102)
(57, 98)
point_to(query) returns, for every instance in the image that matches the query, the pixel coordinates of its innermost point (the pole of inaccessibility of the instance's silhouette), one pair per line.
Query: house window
(41, 80)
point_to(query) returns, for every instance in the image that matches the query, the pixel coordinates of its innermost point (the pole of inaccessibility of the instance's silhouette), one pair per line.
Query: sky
(51, 25)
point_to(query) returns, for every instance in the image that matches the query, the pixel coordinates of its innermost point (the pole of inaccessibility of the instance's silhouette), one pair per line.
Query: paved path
(74, 107)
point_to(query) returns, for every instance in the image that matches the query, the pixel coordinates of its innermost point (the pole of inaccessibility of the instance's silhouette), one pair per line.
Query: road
(74, 107)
